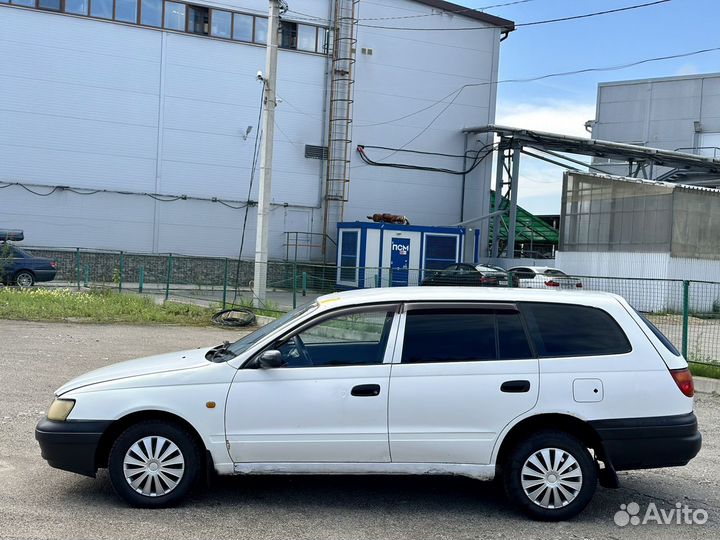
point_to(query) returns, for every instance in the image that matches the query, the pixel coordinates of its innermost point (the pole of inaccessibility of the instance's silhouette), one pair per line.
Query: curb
(706, 385)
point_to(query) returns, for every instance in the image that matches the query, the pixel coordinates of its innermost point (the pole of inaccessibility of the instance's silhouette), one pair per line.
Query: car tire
(24, 279)
(154, 464)
(550, 476)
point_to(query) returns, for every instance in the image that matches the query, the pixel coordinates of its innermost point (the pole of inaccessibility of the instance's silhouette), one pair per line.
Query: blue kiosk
(386, 254)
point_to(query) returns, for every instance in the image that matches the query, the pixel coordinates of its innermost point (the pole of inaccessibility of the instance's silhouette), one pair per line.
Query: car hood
(161, 363)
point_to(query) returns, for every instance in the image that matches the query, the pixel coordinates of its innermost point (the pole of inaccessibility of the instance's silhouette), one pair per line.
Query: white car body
(434, 417)
(544, 277)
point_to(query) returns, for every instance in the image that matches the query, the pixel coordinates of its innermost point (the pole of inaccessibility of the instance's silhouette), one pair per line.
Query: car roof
(538, 269)
(462, 294)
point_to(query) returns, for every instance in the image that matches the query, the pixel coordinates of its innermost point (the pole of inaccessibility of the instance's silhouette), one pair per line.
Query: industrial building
(133, 124)
(670, 113)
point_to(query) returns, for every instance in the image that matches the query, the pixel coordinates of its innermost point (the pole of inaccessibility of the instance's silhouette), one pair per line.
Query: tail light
(578, 285)
(683, 379)
(552, 283)
(53, 264)
(485, 279)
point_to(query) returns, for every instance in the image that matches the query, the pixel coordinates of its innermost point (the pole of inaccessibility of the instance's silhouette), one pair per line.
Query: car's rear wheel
(551, 476)
(154, 464)
(24, 279)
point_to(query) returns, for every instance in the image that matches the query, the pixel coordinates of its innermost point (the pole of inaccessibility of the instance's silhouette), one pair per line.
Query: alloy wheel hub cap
(551, 478)
(153, 466)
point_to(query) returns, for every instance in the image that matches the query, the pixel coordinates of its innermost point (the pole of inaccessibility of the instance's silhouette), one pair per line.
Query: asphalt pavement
(37, 501)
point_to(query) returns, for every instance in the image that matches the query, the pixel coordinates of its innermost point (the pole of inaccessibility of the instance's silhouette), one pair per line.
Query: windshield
(244, 343)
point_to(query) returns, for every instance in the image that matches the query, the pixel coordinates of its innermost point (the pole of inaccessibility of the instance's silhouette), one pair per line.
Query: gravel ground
(37, 501)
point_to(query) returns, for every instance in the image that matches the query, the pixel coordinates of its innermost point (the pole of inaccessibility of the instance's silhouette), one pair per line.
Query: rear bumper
(648, 443)
(45, 275)
(71, 445)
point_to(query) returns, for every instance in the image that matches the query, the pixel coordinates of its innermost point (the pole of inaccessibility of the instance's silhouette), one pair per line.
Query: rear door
(460, 374)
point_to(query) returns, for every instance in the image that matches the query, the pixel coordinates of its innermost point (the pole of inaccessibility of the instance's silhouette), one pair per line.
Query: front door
(327, 403)
(464, 372)
(400, 261)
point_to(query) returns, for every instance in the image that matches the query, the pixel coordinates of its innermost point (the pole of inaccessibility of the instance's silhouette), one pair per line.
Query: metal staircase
(342, 82)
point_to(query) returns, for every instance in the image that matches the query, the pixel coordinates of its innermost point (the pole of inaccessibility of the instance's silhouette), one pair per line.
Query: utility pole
(268, 134)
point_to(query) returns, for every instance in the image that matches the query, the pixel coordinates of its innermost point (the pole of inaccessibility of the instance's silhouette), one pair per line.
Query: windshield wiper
(221, 350)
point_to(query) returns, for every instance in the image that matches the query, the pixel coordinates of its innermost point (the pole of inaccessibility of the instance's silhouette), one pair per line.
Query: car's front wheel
(551, 476)
(154, 464)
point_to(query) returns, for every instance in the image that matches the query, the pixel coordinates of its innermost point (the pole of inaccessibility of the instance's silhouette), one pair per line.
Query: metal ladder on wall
(342, 83)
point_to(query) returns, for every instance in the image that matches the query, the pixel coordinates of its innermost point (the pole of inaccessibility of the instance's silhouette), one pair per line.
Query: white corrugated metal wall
(109, 106)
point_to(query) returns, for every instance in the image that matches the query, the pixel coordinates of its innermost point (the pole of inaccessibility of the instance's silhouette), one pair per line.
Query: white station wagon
(552, 392)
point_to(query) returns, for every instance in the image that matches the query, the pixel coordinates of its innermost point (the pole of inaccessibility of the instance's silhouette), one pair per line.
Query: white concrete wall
(109, 106)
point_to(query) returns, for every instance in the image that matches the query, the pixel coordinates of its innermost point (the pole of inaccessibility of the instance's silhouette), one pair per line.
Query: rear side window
(658, 334)
(463, 335)
(572, 330)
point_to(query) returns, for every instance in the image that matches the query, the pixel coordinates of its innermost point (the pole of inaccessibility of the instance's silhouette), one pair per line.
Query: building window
(49, 4)
(126, 11)
(349, 251)
(102, 9)
(306, 37)
(174, 16)
(194, 19)
(151, 13)
(242, 27)
(221, 23)
(261, 30)
(197, 17)
(77, 7)
(288, 35)
(440, 251)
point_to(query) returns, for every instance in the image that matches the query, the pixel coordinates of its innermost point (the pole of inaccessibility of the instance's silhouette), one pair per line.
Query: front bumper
(648, 443)
(71, 445)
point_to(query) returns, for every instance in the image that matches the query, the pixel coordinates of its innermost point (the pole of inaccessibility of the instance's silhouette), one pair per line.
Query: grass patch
(96, 306)
(705, 370)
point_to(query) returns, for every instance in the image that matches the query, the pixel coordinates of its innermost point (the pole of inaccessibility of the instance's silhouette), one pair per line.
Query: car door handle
(515, 387)
(366, 390)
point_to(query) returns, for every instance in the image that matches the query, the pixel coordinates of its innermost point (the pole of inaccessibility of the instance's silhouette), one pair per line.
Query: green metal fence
(688, 312)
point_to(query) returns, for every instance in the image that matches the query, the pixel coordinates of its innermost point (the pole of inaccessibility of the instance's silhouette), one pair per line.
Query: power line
(455, 93)
(434, 14)
(487, 149)
(519, 25)
(81, 191)
(256, 151)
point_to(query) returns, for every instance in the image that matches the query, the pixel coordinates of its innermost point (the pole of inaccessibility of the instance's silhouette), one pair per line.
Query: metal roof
(470, 13)
(688, 167)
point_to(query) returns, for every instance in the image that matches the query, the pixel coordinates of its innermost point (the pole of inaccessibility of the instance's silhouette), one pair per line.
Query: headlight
(60, 409)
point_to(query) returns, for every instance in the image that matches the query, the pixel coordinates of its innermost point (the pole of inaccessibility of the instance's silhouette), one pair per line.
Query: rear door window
(463, 335)
(573, 330)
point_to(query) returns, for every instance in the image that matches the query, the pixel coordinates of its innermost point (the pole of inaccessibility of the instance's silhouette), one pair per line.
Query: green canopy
(528, 228)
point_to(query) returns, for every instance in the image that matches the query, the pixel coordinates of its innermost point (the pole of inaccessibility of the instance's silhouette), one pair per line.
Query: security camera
(260, 76)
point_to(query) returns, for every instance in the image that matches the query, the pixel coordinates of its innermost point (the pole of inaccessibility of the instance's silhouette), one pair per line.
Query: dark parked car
(18, 267)
(468, 275)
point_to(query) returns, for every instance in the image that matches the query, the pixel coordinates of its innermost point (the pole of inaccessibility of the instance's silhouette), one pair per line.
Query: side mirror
(270, 359)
